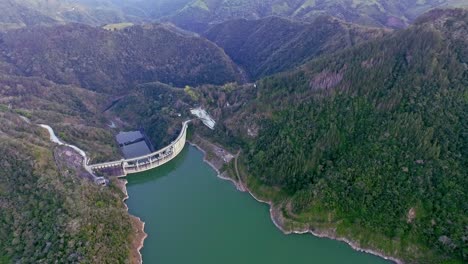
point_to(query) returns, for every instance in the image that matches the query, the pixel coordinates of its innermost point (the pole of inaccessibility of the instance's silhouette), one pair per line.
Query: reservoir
(193, 217)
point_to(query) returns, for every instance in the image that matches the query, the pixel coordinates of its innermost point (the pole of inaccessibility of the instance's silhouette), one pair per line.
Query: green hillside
(271, 45)
(369, 143)
(49, 209)
(114, 61)
(367, 140)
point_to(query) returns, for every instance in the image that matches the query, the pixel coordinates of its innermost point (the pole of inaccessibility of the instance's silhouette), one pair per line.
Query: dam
(123, 167)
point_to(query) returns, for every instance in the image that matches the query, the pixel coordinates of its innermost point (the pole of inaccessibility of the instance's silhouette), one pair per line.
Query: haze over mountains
(349, 124)
(388, 13)
(197, 15)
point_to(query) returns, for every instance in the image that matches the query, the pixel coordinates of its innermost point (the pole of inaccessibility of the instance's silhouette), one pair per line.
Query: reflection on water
(160, 172)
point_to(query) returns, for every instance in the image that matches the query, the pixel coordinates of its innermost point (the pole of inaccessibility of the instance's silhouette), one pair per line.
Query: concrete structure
(204, 117)
(134, 144)
(125, 138)
(122, 168)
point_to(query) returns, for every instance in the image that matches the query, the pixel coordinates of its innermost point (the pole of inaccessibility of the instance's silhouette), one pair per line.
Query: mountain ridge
(199, 14)
(274, 44)
(361, 141)
(367, 141)
(100, 59)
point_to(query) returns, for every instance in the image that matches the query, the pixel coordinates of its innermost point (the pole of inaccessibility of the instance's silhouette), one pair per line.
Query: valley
(347, 117)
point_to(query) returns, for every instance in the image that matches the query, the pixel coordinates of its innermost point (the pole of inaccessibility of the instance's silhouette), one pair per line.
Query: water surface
(193, 217)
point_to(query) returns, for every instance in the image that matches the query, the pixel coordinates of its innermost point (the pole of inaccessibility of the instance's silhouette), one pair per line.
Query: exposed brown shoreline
(220, 175)
(277, 217)
(138, 226)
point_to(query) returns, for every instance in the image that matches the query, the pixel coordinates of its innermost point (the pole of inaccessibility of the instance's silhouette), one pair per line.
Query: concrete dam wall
(122, 168)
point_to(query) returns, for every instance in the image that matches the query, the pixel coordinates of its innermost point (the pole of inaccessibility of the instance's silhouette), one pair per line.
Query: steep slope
(114, 61)
(158, 108)
(368, 144)
(15, 15)
(196, 15)
(389, 13)
(274, 44)
(74, 113)
(47, 214)
(49, 210)
(149, 8)
(22, 13)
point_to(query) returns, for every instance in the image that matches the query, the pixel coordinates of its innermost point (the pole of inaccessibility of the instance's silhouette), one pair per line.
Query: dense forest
(51, 214)
(271, 45)
(370, 141)
(366, 140)
(157, 108)
(75, 113)
(49, 208)
(112, 61)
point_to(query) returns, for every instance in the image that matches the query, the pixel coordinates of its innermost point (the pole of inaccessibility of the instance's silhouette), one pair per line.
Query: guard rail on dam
(122, 168)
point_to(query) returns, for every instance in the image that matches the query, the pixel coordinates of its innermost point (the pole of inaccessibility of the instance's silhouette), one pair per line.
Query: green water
(193, 217)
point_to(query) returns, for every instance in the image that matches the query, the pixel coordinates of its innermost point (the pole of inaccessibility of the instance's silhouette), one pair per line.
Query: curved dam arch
(122, 168)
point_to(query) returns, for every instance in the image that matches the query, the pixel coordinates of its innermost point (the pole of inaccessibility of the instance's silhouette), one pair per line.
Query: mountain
(49, 214)
(366, 141)
(49, 210)
(15, 15)
(23, 13)
(73, 111)
(271, 45)
(66, 76)
(368, 144)
(114, 61)
(149, 8)
(199, 14)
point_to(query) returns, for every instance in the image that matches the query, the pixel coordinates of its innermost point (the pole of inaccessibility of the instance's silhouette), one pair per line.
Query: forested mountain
(112, 61)
(22, 13)
(15, 15)
(369, 143)
(49, 210)
(197, 15)
(47, 214)
(388, 13)
(366, 140)
(74, 112)
(271, 45)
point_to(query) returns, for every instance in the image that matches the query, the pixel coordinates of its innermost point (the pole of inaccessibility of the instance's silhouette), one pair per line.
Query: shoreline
(220, 175)
(276, 216)
(140, 235)
(138, 241)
